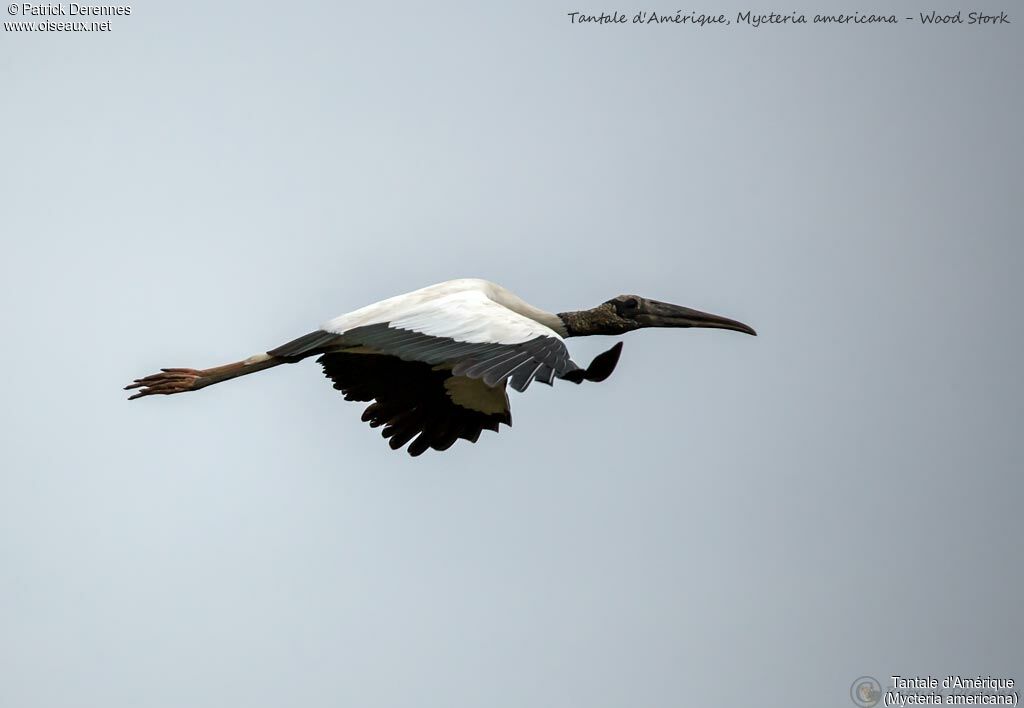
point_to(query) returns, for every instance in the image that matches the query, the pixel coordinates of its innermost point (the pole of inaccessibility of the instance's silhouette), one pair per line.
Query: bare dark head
(626, 313)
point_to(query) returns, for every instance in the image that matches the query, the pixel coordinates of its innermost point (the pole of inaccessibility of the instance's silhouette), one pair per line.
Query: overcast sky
(726, 521)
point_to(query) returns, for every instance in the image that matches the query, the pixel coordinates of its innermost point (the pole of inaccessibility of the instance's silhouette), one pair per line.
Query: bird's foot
(165, 383)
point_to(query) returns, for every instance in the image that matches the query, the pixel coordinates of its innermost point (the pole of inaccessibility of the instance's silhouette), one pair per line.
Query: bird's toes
(166, 382)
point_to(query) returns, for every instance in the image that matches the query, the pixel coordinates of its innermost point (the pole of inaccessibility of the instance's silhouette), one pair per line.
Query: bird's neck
(598, 320)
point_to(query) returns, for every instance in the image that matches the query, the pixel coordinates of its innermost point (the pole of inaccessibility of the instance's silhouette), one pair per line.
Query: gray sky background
(726, 521)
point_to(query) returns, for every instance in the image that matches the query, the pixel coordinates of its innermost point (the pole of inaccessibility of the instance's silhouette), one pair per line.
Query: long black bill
(663, 314)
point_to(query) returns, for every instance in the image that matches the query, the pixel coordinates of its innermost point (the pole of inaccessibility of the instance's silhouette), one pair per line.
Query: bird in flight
(436, 362)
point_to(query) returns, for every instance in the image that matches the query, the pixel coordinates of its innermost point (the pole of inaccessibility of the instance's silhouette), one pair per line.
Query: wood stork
(436, 361)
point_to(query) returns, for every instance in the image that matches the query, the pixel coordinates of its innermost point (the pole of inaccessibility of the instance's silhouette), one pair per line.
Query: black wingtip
(600, 368)
(604, 364)
(576, 376)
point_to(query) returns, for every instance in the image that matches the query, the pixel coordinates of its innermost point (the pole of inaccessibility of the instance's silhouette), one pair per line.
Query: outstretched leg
(170, 381)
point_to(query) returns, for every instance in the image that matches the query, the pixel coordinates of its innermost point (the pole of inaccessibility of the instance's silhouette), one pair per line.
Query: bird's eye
(630, 305)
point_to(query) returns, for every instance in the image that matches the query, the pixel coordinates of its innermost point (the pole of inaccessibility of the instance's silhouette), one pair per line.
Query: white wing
(469, 310)
(457, 324)
(466, 316)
